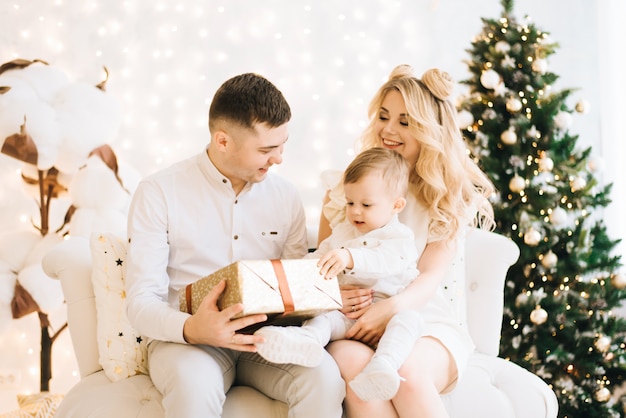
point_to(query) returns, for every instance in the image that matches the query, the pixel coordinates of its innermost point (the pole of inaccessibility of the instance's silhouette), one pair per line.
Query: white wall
(612, 105)
(166, 58)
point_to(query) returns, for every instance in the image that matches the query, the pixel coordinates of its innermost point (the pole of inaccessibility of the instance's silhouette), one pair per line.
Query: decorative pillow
(39, 405)
(122, 350)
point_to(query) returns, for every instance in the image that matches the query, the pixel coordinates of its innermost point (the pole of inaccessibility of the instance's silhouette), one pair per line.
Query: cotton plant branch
(58, 133)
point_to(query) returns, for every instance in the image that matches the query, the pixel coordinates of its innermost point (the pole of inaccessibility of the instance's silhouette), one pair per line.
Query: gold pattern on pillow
(122, 350)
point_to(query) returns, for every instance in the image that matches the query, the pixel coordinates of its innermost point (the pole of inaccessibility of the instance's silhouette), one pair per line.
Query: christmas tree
(560, 296)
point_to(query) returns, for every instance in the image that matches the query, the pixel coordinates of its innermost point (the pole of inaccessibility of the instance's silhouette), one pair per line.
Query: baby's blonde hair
(445, 179)
(390, 165)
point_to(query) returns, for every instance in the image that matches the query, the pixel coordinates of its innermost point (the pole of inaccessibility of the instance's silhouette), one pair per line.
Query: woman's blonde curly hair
(445, 179)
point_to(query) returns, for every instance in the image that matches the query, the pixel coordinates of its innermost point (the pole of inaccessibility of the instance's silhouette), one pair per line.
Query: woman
(448, 192)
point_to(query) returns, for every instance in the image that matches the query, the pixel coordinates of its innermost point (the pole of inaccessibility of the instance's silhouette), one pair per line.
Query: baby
(369, 249)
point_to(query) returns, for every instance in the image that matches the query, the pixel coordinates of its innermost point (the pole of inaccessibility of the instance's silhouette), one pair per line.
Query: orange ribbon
(283, 286)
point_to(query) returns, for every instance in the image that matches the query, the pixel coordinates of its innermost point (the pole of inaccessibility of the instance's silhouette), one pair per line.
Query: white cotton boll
(70, 158)
(43, 246)
(14, 104)
(7, 282)
(129, 175)
(42, 126)
(46, 80)
(30, 188)
(86, 220)
(95, 186)
(100, 200)
(15, 247)
(20, 105)
(7, 290)
(44, 290)
(88, 116)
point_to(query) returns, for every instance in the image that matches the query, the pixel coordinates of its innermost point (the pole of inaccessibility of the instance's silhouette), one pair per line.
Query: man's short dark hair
(249, 99)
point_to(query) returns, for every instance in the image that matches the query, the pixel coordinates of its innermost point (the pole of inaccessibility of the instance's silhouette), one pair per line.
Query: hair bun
(401, 71)
(439, 83)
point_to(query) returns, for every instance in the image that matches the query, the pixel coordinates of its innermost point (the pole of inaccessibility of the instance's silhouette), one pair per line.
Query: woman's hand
(372, 322)
(355, 300)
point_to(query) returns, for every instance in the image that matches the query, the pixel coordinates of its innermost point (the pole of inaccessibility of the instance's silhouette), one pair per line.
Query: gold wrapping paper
(254, 283)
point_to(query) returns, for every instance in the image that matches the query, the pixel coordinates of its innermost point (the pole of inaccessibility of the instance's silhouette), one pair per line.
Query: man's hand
(210, 326)
(334, 262)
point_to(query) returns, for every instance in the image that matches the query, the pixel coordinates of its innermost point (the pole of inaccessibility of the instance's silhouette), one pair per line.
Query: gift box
(288, 291)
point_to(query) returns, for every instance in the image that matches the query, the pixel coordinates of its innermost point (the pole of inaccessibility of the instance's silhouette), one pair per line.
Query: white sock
(379, 380)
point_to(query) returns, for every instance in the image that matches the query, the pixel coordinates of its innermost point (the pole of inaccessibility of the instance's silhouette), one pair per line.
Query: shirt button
(236, 237)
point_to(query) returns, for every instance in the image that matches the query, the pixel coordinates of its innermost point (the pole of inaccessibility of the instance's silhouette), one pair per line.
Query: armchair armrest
(488, 257)
(70, 262)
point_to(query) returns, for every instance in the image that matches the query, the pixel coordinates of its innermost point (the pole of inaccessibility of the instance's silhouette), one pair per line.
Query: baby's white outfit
(384, 259)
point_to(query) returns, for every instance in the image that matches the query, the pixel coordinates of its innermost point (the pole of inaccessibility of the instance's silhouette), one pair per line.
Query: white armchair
(492, 386)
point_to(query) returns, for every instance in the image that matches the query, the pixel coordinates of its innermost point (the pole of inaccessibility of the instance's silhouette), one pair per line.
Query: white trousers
(195, 378)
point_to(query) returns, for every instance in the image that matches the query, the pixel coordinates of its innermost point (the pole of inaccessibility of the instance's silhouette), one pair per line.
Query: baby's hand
(334, 262)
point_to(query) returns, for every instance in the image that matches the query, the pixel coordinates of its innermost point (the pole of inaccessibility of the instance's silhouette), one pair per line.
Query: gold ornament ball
(563, 120)
(577, 184)
(558, 216)
(513, 105)
(517, 184)
(546, 164)
(603, 343)
(532, 237)
(595, 163)
(619, 280)
(603, 395)
(521, 299)
(539, 315)
(582, 106)
(490, 79)
(465, 119)
(508, 137)
(540, 65)
(549, 260)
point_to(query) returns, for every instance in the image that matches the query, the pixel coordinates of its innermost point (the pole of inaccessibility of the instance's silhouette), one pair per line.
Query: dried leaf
(22, 303)
(103, 83)
(49, 181)
(106, 154)
(21, 146)
(68, 217)
(52, 184)
(18, 64)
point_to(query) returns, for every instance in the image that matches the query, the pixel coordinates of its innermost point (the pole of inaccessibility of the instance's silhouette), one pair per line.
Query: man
(198, 216)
